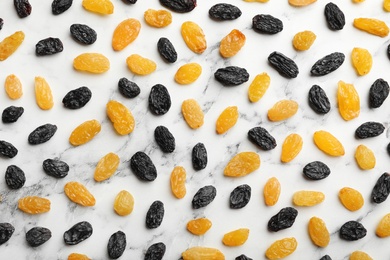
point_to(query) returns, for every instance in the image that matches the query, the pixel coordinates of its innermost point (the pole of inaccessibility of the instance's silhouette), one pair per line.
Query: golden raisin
(271, 191)
(194, 37)
(140, 65)
(99, 6)
(76, 256)
(282, 110)
(85, 132)
(318, 232)
(192, 113)
(199, 226)
(34, 205)
(281, 248)
(178, 182)
(302, 41)
(188, 73)
(358, 1)
(43, 95)
(386, 5)
(125, 33)
(123, 203)
(232, 43)
(348, 101)
(307, 198)
(365, 157)
(242, 164)
(121, 117)
(227, 119)
(351, 199)
(91, 62)
(361, 61)
(360, 255)
(301, 2)
(106, 167)
(236, 237)
(372, 26)
(13, 87)
(158, 18)
(258, 87)
(383, 228)
(204, 253)
(292, 145)
(10, 44)
(327, 143)
(79, 194)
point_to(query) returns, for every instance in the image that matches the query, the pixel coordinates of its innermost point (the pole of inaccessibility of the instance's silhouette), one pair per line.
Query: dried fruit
(48, 46)
(143, 167)
(155, 251)
(193, 36)
(116, 245)
(227, 119)
(204, 196)
(10, 44)
(386, 5)
(166, 50)
(128, 89)
(326, 257)
(6, 231)
(13, 87)
(95, 63)
(14, 177)
(85, 132)
(7, 149)
(327, 143)
(199, 226)
(282, 110)
(129, 1)
(243, 257)
(258, 87)
(372, 26)
(383, 228)
(318, 232)
(43, 94)
(164, 139)
(318, 100)
(369, 129)
(99, 6)
(271, 191)
(79, 194)
(267, 24)
(1, 23)
(179, 6)
(285, 218)
(140, 65)
(192, 113)
(334, 17)
(316, 170)
(178, 182)
(327, 64)
(348, 101)
(121, 117)
(224, 12)
(11, 114)
(302, 41)
(199, 157)
(292, 145)
(361, 61)
(38, 236)
(262, 138)
(283, 64)
(78, 233)
(188, 73)
(231, 76)
(232, 43)
(300, 3)
(42, 134)
(77, 98)
(34, 205)
(76, 256)
(381, 190)
(125, 33)
(281, 248)
(352, 230)
(351, 198)
(23, 8)
(158, 18)
(159, 100)
(365, 157)
(199, 252)
(240, 196)
(379, 91)
(106, 167)
(124, 203)
(60, 6)
(359, 255)
(242, 164)
(55, 168)
(236, 237)
(155, 215)
(306, 198)
(83, 34)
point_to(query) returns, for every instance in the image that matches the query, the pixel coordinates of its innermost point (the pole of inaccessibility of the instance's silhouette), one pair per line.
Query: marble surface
(213, 98)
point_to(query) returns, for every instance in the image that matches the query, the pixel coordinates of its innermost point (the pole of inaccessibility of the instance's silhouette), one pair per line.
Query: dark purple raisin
(388, 148)
(223, 12)
(316, 170)
(143, 167)
(23, 8)
(334, 17)
(179, 6)
(166, 50)
(283, 64)
(159, 100)
(60, 6)
(11, 114)
(388, 51)
(327, 64)
(155, 215)
(240, 196)
(243, 257)
(14, 177)
(155, 251)
(55, 168)
(42, 134)
(266, 24)
(285, 218)
(204, 196)
(381, 190)
(128, 89)
(78, 233)
(38, 236)
(77, 98)
(318, 100)
(1, 23)
(262, 138)
(83, 34)
(6, 231)
(199, 157)
(164, 139)
(369, 129)
(7, 149)
(116, 245)
(129, 1)
(379, 91)
(326, 257)
(231, 76)
(49, 46)
(352, 230)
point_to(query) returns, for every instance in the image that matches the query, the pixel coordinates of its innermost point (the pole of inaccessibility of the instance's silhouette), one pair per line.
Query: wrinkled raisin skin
(334, 17)
(352, 230)
(326, 257)
(38, 236)
(48, 46)
(159, 100)
(381, 189)
(83, 34)
(116, 245)
(166, 50)
(143, 167)
(267, 24)
(11, 114)
(179, 6)
(204, 196)
(223, 12)
(231, 76)
(262, 138)
(285, 218)
(55, 168)
(78, 233)
(60, 6)
(164, 139)
(6, 231)
(129, 1)
(199, 157)
(240, 196)
(14, 177)
(1, 23)
(155, 251)
(42, 134)
(243, 257)
(284, 65)
(23, 8)
(316, 170)
(379, 91)
(7, 149)
(77, 98)
(318, 100)
(369, 129)
(128, 89)
(327, 64)
(155, 215)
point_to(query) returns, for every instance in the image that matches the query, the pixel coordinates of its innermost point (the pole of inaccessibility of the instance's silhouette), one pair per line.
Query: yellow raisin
(302, 41)
(158, 18)
(34, 205)
(365, 157)
(327, 143)
(79, 194)
(204, 253)
(125, 33)
(318, 232)
(124, 203)
(281, 248)
(199, 226)
(348, 101)
(99, 6)
(91, 62)
(85, 132)
(242, 164)
(386, 5)
(271, 191)
(372, 26)
(192, 113)
(178, 182)
(236, 237)
(383, 228)
(13, 87)
(361, 61)
(121, 117)
(106, 167)
(282, 110)
(10, 44)
(188, 73)
(232, 43)
(227, 119)
(360, 255)
(194, 37)
(358, 1)
(43, 95)
(76, 256)
(301, 2)
(306, 198)
(258, 87)
(140, 65)
(351, 199)
(292, 145)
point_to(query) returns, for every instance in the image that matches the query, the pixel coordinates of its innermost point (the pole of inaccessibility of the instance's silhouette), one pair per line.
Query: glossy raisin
(83, 34)
(11, 114)
(236, 237)
(179, 6)
(284, 65)
(383, 228)
(48, 46)
(178, 182)
(77, 256)
(291, 147)
(1, 23)
(327, 64)
(10, 44)
(125, 33)
(78, 233)
(351, 199)
(38, 236)
(79, 194)
(6, 231)
(232, 43)
(104, 7)
(155, 215)
(34, 205)
(388, 51)
(164, 139)
(77, 98)
(43, 94)
(372, 26)
(352, 230)
(121, 117)
(194, 37)
(129, 1)
(158, 18)
(95, 63)
(262, 138)
(7, 149)
(300, 3)
(106, 167)
(283, 247)
(223, 12)
(285, 218)
(204, 196)
(240, 196)
(369, 129)
(242, 164)
(282, 110)
(166, 50)
(14, 177)
(55, 168)
(159, 100)
(13, 87)
(199, 157)
(271, 191)
(124, 203)
(243, 257)
(306, 198)
(318, 100)
(328, 143)
(199, 226)
(188, 73)
(84, 132)
(318, 232)
(302, 41)
(143, 167)
(267, 24)
(316, 170)
(199, 252)
(23, 8)
(155, 251)
(227, 119)
(258, 87)
(128, 89)
(192, 113)
(348, 101)
(60, 6)
(42, 134)
(116, 245)
(381, 189)
(360, 255)
(326, 257)
(361, 61)
(334, 17)
(379, 91)
(231, 76)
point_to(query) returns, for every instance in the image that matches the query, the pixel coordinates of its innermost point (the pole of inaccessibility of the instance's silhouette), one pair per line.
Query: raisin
(284, 65)
(242, 164)
(155, 251)
(124, 203)
(365, 157)
(232, 43)
(291, 147)
(85, 132)
(204, 196)
(199, 252)
(352, 230)
(318, 232)
(236, 237)
(348, 100)
(327, 64)
(23, 8)
(231, 76)
(316, 170)
(258, 87)
(1, 23)
(386, 5)
(140, 65)
(243, 257)
(128, 89)
(79, 194)
(158, 18)
(326, 257)
(125, 33)
(285, 218)
(155, 215)
(388, 51)
(6, 231)
(14, 177)
(199, 157)
(199, 226)
(60, 6)
(159, 100)
(262, 138)
(192, 113)
(188, 73)
(99, 6)
(7, 149)
(11, 114)
(178, 182)
(359, 255)
(381, 190)
(306, 198)
(361, 61)
(302, 41)
(106, 167)
(327, 143)
(48, 46)
(271, 191)
(143, 167)
(164, 139)
(38, 236)
(121, 117)
(224, 12)
(76, 256)
(334, 17)
(351, 199)
(166, 50)
(227, 119)
(78, 233)
(379, 91)
(43, 94)
(55, 168)
(13, 87)
(300, 3)
(318, 100)
(83, 34)
(95, 63)
(116, 245)
(281, 248)
(129, 1)
(194, 37)
(10, 44)
(42, 134)
(372, 26)
(382, 230)
(267, 24)
(240, 196)
(179, 6)
(34, 205)
(282, 110)
(77, 98)
(369, 129)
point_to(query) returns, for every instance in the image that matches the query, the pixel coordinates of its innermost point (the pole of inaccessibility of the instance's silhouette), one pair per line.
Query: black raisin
(155, 215)
(77, 98)
(179, 6)
(129, 1)
(283, 64)
(42, 134)
(23, 8)
(49, 46)
(316, 170)
(240, 196)
(83, 34)
(352, 230)
(381, 190)
(262, 138)
(267, 24)
(388, 148)
(78, 233)
(199, 157)
(11, 114)
(243, 257)
(334, 17)
(116, 245)
(6, 231)
(388, 51)
(128, 89)
(318, 100)
(231, 76)
(55, 168)
(38, 236)
(60, 6)
(379, 91)
(166, 50)
(164, 139)
(285, 218)
(1, 23)
(223, 12)
(159, 100)
(155, 251)
(143, 167)
(7, 149)
(204, 196)
(14, 177)
(369, 129)
(326, 257)
(327, 64)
